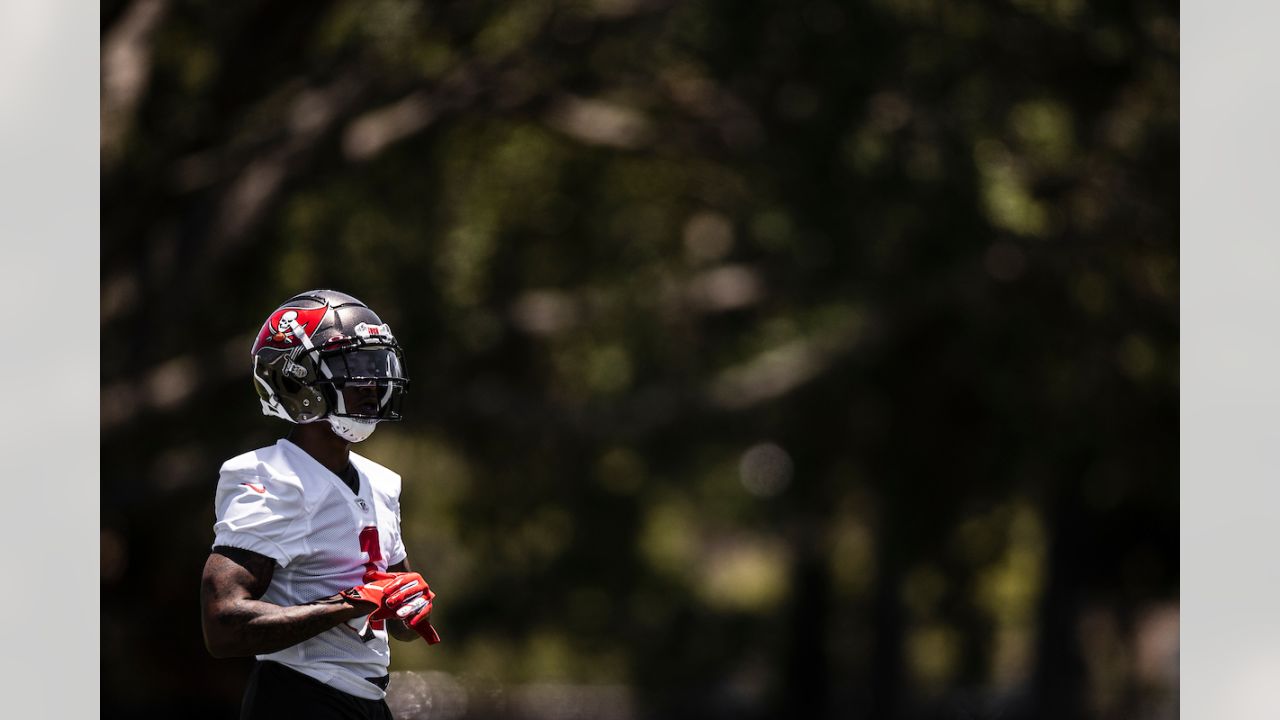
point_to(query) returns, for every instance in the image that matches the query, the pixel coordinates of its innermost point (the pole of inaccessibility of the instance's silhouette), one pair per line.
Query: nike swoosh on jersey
(255, 487)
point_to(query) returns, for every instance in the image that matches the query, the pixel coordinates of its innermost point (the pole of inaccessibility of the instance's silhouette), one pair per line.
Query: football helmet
(324, 355)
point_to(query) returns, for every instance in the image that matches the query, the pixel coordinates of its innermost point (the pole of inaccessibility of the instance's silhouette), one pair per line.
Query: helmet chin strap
(350, 429)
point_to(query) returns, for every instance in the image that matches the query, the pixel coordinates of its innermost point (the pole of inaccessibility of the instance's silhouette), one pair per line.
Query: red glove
(408, 597)
(375, 585)
(372, 591)
(369, 593)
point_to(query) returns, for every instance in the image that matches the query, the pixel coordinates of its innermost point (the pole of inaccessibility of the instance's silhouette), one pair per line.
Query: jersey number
(369, 544)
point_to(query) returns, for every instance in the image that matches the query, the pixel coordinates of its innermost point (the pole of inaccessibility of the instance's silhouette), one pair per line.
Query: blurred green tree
(803, 360)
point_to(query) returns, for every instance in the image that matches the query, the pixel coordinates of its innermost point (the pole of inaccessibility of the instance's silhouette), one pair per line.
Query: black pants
(276, 692)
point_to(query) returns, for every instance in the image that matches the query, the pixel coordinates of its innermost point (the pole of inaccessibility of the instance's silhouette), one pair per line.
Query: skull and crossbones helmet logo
(283, 331)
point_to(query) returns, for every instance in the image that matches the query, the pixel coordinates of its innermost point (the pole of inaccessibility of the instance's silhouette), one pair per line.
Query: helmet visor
(366, 363)
(368, 399)
(366, 382)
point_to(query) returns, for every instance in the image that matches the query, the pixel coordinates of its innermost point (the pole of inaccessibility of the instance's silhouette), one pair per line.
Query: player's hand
(372, 591)
(361, 594)
(403, 587)
(409, 597)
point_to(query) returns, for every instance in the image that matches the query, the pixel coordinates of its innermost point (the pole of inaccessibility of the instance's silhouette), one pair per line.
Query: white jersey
(280, 502)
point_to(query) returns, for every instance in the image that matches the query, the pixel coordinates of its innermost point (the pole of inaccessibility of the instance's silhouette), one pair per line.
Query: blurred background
(769, 360)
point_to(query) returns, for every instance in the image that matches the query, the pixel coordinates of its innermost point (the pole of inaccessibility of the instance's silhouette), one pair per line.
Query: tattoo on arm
(246, 570)
(236, 622)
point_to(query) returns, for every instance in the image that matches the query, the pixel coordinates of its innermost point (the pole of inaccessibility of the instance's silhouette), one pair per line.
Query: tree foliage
(768, 359)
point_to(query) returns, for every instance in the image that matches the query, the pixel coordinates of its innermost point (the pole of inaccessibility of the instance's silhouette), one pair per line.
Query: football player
(308, 570)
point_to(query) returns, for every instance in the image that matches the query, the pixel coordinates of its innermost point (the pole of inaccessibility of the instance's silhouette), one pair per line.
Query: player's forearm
(253, 627)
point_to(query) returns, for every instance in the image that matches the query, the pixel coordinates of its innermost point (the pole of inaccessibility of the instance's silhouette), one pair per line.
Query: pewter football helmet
(315, 346)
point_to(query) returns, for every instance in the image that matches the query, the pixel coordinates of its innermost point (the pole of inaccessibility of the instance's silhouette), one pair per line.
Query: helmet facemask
(363, 383)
